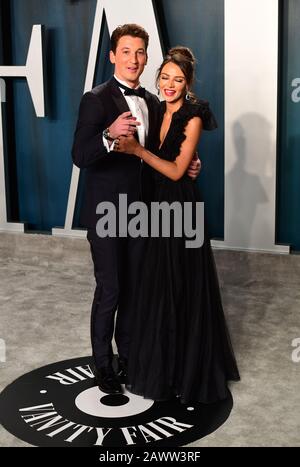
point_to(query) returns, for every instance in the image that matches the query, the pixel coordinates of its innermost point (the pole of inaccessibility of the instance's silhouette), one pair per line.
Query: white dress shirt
(138, 107)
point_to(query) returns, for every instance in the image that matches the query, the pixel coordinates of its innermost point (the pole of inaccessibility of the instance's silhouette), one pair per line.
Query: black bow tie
(140, 92)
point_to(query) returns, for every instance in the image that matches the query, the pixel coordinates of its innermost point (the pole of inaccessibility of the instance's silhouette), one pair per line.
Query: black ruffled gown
(180, 344)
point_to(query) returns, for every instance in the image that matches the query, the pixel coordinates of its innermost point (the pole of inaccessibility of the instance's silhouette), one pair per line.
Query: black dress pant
(117, 263)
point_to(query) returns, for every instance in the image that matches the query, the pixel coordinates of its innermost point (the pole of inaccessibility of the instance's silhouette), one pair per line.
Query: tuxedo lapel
(122, 106)
(118, 97)
(152, 113)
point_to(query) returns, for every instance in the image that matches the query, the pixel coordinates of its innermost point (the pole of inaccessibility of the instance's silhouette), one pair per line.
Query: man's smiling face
(129, 59)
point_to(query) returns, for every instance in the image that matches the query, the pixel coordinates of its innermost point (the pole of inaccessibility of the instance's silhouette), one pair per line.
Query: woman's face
(172, 83)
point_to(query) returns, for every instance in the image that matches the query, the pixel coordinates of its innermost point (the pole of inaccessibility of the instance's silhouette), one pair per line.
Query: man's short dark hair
(133, 30)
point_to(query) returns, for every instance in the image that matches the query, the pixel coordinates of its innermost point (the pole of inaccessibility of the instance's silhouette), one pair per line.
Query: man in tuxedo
(118, 107)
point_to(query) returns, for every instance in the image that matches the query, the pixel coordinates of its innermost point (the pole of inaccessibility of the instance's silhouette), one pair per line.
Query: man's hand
(124, 125)
(194, 167)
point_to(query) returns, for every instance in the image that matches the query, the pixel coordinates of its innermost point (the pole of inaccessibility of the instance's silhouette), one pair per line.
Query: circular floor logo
(61, 405)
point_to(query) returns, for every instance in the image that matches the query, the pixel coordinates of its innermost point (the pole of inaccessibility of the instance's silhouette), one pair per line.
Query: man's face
(130, 59)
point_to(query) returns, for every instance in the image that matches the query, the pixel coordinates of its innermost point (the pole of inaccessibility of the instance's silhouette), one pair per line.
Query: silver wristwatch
(106, 135)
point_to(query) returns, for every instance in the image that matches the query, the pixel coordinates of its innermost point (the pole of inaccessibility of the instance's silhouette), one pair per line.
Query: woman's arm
(173, 170)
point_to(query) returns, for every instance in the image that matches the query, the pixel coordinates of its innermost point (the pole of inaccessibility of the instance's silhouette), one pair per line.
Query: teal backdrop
(288, 167)
(39, 165)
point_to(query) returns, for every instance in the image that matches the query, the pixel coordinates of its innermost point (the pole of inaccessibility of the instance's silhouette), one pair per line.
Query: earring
(187, 96)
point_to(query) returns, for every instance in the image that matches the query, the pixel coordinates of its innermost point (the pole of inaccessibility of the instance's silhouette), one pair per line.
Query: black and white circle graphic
(61, 405)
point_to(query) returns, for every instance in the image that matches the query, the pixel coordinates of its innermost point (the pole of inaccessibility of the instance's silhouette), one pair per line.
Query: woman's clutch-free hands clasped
(127, 144)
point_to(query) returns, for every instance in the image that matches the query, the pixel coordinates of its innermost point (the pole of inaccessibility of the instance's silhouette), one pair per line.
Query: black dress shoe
(122, 369)
(107, 380)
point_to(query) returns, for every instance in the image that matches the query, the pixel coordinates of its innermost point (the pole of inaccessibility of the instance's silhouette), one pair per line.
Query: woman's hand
(127, 144)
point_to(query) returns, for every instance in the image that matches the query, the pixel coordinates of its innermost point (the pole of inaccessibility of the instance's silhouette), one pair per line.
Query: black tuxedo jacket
(108, 174)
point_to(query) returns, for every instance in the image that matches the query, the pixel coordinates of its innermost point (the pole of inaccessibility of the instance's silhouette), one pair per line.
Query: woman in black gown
(180, 344)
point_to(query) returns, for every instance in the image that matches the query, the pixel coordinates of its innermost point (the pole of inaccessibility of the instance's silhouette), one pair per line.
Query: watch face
(106, 135)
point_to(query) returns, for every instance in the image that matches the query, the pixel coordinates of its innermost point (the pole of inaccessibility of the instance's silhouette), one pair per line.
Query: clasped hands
(126, 125)
(127, 144)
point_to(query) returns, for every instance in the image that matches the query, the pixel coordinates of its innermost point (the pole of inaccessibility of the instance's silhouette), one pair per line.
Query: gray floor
(46, 291)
